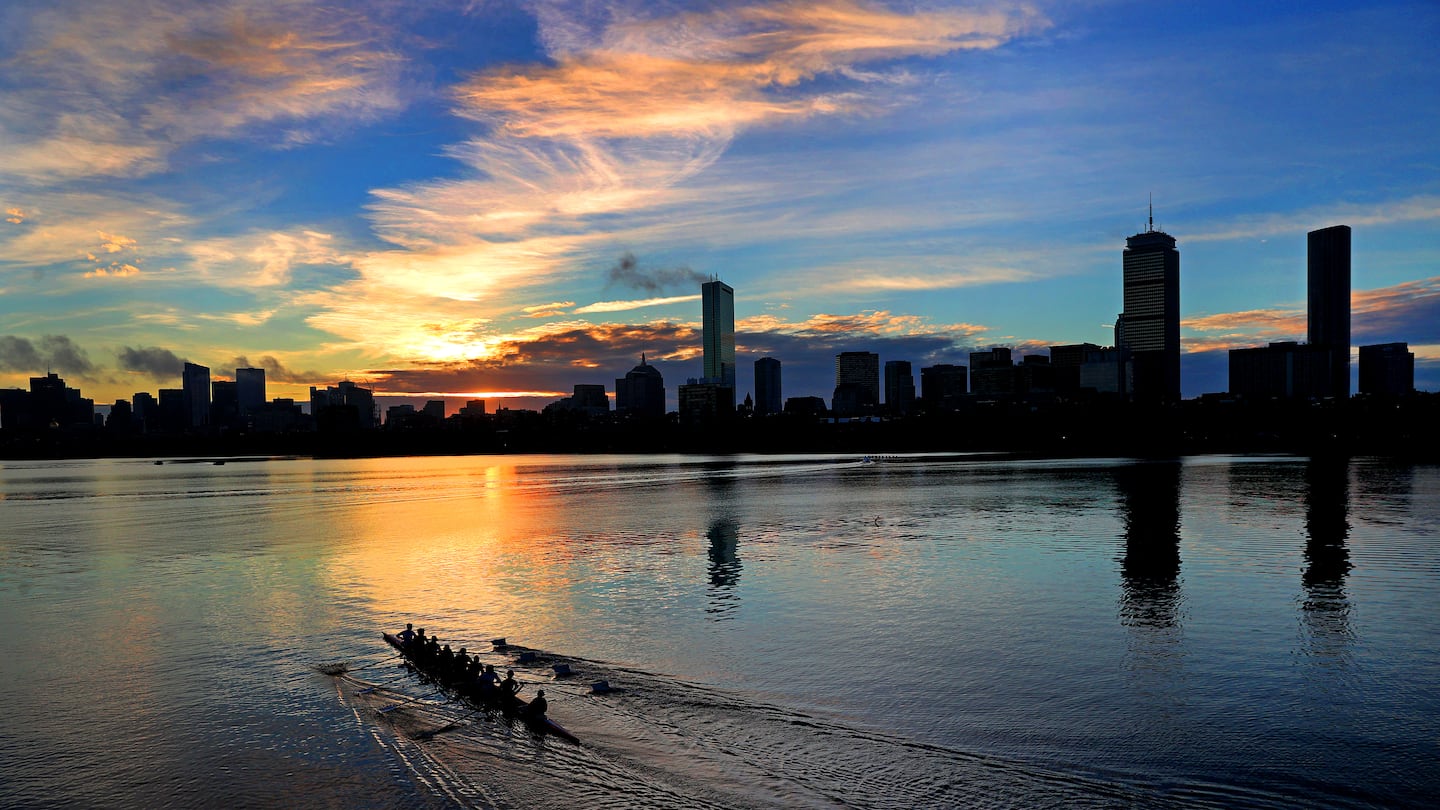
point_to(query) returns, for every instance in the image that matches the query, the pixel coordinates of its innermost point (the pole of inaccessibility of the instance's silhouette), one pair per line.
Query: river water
(799, 631)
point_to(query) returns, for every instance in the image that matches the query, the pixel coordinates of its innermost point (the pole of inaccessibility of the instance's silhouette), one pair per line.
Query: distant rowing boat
(471, 694)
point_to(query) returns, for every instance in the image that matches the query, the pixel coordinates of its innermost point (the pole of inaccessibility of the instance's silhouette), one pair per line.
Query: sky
(502, 200)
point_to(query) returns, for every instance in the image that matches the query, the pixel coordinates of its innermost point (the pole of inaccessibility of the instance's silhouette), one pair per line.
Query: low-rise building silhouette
(1387, 369)
(641, 392)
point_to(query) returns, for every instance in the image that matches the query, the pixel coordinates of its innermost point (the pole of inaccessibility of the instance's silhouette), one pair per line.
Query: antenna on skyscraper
(1152, 212)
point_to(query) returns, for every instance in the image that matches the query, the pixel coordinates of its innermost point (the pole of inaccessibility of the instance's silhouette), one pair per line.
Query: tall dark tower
(1329, 280)
(767, 386)
(1150, 334)
(718, 332)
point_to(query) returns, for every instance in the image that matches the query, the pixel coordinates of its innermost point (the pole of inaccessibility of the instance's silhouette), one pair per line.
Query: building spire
(1152, 213)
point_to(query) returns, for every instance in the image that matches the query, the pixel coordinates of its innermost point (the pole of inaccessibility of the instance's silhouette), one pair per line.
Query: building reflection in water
(1150, 567)
(1325, 613)
(724, 541)
(724, 536)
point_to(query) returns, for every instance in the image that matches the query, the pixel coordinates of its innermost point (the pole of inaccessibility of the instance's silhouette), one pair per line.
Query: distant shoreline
(1407, 428)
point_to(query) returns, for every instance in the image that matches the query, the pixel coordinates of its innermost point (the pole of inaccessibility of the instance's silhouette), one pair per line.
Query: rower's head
(407, 626)
(489, 667)
(509, 673)
(541, 693)
(421, 631)
(462, 650)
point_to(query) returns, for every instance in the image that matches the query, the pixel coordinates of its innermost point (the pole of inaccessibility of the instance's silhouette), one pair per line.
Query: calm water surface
(784, 632)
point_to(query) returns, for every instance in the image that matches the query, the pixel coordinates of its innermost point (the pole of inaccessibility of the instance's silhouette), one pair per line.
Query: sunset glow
(511, 198)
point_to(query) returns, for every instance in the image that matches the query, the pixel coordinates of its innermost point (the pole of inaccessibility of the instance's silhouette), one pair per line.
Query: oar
(344, 667)
(451, 726)
(394, 706)
(367, 690)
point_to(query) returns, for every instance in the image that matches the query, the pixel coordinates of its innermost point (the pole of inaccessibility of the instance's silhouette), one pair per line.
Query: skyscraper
(195, 383)
(857, 383)
(767, 386)
(1328, 252)
(718, 299)
(1149, 327)
(899, 386)
(250, 386)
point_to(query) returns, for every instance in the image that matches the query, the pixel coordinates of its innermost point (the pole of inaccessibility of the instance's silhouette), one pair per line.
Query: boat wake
(657, 742)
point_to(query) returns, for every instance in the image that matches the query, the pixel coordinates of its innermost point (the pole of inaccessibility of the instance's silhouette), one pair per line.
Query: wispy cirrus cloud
(85, 97)
(641, 303)
(604, 136)
(1357, 215)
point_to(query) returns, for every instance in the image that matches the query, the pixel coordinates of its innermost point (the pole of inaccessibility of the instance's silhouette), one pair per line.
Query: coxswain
(537, 707)
(407, 635)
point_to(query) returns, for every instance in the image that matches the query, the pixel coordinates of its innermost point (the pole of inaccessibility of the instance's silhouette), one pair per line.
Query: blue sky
(436, 202)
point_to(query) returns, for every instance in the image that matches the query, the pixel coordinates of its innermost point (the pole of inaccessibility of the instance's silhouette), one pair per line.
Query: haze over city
(502, 200)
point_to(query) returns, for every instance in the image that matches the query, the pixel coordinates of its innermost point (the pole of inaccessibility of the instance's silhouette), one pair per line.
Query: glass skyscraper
(718, 324)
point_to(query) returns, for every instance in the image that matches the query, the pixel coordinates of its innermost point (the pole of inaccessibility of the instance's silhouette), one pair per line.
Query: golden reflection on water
(491, 549)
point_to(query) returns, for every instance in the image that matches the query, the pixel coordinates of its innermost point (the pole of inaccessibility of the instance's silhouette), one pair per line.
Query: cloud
(1409, 311)
(1357, 215)
(87, 97)
(554, 357)
(114, 270)
(711, 72)
(603, 137)
(19, 354)
(627, 272)
(261, 258)
(549, 310)
(56, 353)
(621, 306)
(152, 361)
(1238, 330)
(14, 215)
(276, 371)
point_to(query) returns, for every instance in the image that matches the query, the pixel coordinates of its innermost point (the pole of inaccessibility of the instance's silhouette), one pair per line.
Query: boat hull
(511, 706)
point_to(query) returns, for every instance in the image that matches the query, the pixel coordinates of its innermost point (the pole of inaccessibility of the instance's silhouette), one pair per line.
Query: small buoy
(561, 670)
(525, 658)
(600, 687)
(498, 642)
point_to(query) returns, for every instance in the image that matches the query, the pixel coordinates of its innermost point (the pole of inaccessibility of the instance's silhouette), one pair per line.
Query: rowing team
(458, 666)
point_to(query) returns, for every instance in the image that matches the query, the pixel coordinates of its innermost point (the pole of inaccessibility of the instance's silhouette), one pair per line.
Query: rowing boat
(511, 705)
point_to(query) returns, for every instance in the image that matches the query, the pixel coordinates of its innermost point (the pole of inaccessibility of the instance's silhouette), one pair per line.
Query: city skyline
(508, 201)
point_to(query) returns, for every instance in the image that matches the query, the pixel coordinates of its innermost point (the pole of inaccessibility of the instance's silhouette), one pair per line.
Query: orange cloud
(716, 71)
(1261, 321)
(14, 215)
(115, 270)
